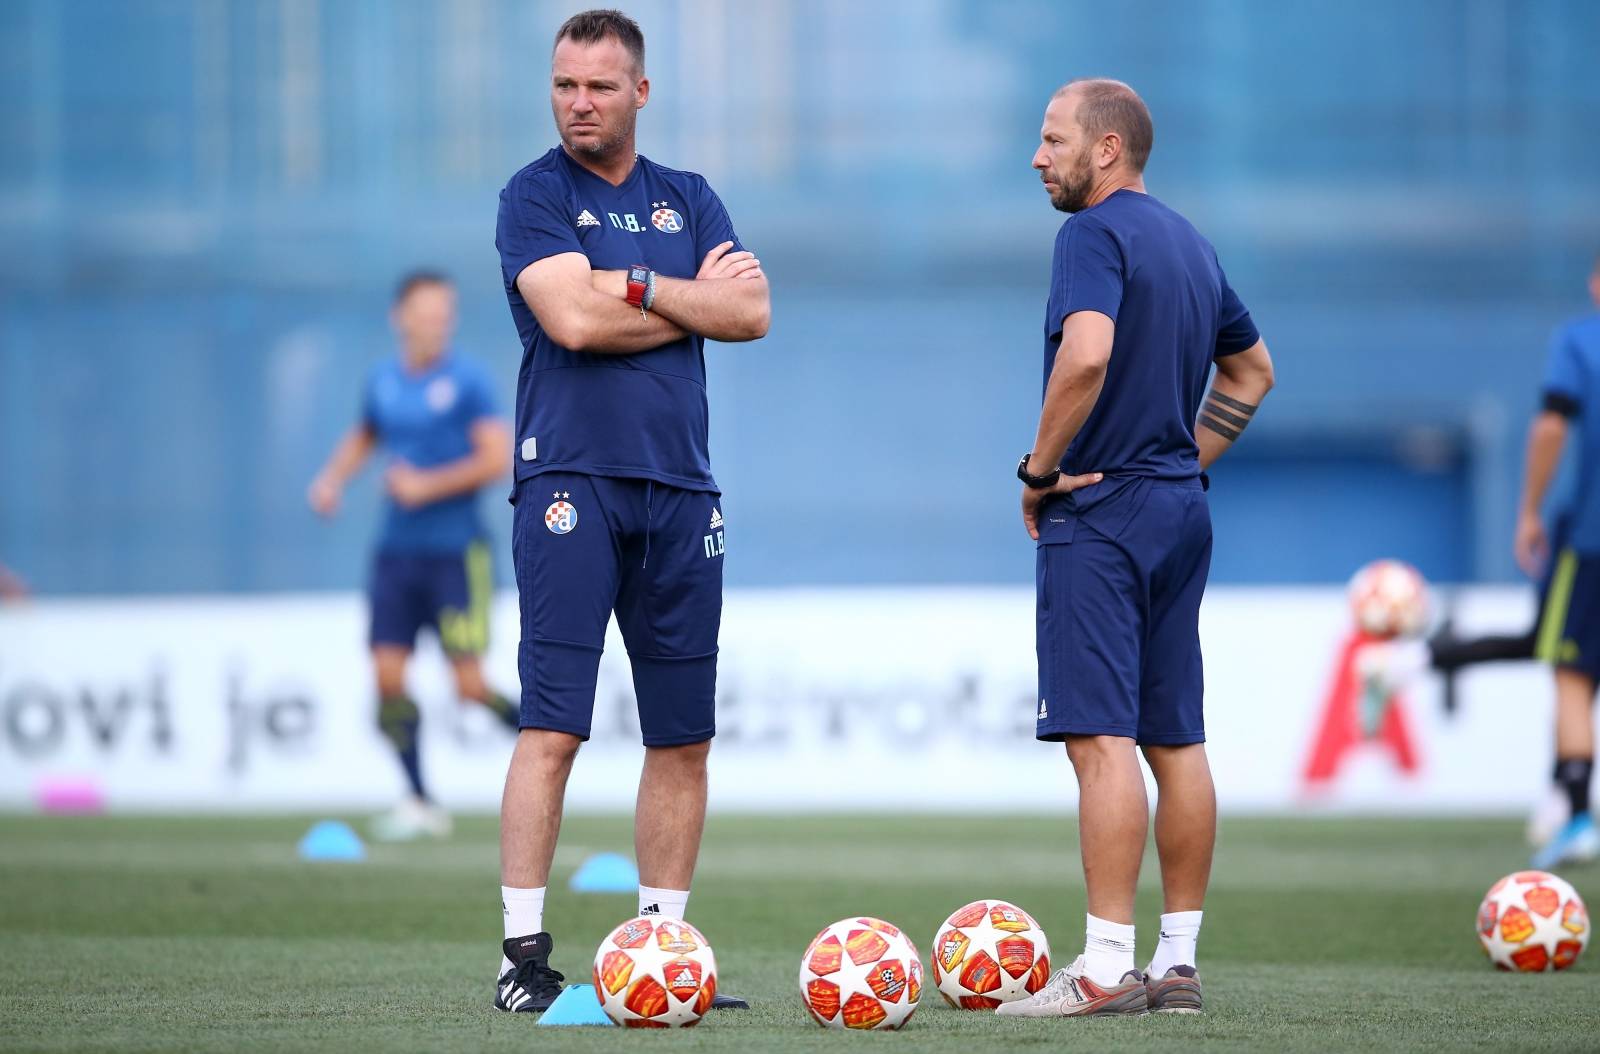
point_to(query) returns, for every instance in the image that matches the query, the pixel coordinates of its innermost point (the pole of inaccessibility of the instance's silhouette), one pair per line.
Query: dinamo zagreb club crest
(561, 517)
(667, 221)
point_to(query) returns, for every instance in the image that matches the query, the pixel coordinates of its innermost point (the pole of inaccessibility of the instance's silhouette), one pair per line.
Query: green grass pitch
(133, 934)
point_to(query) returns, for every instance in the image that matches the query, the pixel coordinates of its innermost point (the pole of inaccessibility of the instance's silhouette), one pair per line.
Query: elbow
(759, 322)
(753, 322)
(568, 330)
(1086, 367)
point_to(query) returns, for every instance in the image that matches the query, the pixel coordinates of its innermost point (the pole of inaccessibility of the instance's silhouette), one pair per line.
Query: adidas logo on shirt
(1043, 713)
(586, 219)
(716, 520)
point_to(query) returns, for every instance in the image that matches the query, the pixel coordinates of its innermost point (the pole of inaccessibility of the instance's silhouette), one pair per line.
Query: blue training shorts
(1569, 619)
(447, 591)
(588, 545)
(1120, 579)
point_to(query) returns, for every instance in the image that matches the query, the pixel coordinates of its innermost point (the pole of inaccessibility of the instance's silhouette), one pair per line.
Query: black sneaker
(728, 1002)
(530, 986)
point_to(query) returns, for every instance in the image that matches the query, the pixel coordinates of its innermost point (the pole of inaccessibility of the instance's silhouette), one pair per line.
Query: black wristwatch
(1044, 482)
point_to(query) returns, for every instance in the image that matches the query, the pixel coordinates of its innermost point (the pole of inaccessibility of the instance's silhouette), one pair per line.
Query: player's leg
(669, 609)
(1569, 639)
(396, 617)
(1090, 628)
(1113, 819)
(566, 567)
(465, 591)
(1578, 839)
(1172, 736)
(669, 820)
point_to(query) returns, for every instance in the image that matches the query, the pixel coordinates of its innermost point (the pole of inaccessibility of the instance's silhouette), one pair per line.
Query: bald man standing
(1114, 496)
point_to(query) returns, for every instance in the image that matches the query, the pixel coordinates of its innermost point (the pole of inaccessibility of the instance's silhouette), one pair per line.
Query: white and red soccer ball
(861, 973)
(987, 953)
(1389, 598)
(1533, 921)
(655, 973)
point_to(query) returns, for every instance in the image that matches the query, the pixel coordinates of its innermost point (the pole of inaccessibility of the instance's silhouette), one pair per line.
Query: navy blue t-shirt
(426, 418)
(641, 415)
(1146, 267)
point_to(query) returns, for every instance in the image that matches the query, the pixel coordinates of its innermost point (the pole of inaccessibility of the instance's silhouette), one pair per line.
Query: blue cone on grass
(606, 873)
(578, 1004)
(332, 840)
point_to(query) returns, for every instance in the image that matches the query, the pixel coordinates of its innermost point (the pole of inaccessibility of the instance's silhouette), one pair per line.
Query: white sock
(524, 914)
(1107, 951)
(1179, 932)
(668, 903)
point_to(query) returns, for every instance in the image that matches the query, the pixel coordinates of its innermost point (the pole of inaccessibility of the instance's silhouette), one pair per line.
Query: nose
(1041, 160)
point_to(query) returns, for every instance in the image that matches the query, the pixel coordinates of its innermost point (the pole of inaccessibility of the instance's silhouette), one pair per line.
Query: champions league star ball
(655, 973)
(861, 973)
(1532, 921)
(1389, 599)
(989, 953)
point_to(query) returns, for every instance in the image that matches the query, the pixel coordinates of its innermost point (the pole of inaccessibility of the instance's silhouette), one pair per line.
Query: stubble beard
(608, 147)
(1072, 192)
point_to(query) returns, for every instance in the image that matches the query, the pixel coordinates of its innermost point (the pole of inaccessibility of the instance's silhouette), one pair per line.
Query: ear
(1109, 150)
(641, 93)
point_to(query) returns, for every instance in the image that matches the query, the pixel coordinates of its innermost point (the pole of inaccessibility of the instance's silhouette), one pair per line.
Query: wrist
(1032, 479)
(641, 287)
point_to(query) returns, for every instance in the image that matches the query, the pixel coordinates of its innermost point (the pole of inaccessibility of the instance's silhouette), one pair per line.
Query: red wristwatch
(638, 285)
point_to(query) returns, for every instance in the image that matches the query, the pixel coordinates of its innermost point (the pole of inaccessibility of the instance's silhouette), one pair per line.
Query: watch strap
(1044, 482)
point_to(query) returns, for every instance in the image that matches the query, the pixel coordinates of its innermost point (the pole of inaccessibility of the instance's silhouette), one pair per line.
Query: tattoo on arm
(1225, 415)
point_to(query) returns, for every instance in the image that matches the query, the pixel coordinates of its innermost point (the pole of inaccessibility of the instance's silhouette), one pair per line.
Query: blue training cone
(578, 1004)
(332, 840)
(606, 873)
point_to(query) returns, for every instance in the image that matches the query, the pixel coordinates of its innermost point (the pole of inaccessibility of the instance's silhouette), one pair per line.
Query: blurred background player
(1139, 310)
(433, 410)
(1569, 624)
(617, 270)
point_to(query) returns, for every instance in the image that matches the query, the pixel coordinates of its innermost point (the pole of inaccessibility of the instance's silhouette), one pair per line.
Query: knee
(469, 682)
(390, 672)
(547, 749)
(688, 757)
(1090, 754)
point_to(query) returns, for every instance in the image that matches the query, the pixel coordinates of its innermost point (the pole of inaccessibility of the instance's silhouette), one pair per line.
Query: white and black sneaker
(530, 986)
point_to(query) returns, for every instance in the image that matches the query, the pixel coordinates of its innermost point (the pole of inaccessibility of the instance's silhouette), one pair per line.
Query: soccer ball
(1533, 921)
(1389, 598)
(655, 973)
(989, 953)
(861, 973)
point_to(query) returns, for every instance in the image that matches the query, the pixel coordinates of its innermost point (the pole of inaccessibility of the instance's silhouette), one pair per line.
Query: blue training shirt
(1573, 374)
(426, 419)
(642, 415)
(1146, 267)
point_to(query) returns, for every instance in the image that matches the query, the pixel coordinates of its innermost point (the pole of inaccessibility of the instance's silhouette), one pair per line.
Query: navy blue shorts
(1569, 622)
(449, 592)
(586, 546)
(1119, 586)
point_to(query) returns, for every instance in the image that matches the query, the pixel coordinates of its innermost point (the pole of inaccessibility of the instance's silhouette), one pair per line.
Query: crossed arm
(586, 310)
